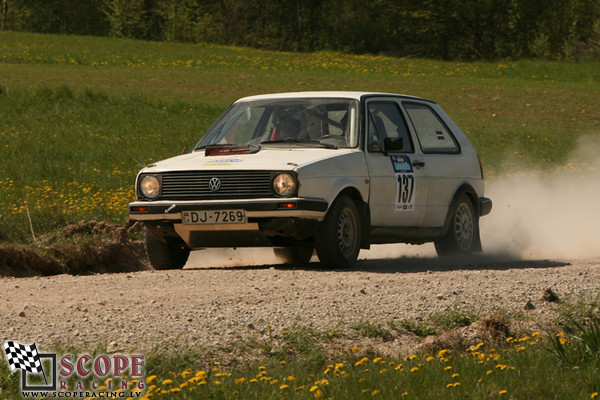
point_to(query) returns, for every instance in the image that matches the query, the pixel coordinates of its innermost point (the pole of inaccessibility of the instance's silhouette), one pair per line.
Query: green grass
(455, 316)
(71, 155)
(79, 116)
(418, 328)
(528, 367)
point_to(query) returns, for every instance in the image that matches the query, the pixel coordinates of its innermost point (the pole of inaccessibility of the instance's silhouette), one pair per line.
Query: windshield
(286, 122)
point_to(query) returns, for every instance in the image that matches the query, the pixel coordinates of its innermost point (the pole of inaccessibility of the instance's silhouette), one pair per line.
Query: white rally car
(327, 171)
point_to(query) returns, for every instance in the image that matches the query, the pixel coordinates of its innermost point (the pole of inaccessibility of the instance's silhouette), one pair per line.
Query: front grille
(194, 185)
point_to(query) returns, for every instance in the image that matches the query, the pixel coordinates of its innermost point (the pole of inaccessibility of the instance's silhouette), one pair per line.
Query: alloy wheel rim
(347, 232)
(463, 226)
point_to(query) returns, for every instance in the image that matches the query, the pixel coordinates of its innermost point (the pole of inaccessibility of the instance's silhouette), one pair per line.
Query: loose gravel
(215, 306)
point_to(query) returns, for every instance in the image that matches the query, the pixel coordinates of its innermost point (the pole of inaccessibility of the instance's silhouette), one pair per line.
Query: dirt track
(206, 306)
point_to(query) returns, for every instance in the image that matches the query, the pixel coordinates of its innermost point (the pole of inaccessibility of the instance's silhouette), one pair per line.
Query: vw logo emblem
(214, 184)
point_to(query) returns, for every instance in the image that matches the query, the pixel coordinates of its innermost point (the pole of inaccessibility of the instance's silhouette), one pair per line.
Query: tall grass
(79, 116)
(522, 368)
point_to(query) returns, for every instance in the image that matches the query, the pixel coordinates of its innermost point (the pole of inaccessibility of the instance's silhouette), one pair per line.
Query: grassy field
(79, 116)
(532, 366)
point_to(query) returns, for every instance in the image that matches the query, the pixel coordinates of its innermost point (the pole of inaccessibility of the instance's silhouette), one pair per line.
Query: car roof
(327, 94)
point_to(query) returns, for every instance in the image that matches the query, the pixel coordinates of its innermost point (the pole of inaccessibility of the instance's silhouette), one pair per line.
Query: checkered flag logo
(23, 357)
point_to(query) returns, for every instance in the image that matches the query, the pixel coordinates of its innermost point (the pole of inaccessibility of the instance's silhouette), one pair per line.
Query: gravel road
(206, 304)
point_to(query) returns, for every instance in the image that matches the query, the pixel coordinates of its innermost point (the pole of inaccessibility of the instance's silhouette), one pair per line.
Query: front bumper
(270, 222)
(166, 210)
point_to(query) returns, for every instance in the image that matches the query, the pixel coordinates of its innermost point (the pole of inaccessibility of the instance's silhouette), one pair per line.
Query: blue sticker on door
(401, 163)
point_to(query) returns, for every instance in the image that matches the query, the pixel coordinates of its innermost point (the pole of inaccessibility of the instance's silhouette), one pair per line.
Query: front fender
(326, 179)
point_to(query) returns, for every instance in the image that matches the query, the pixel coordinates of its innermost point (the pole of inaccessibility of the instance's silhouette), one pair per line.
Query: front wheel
(338, 240)
(462, 236)
(165, 255)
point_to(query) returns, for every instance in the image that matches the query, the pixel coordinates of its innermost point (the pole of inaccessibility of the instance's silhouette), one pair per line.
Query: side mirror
(393, 144)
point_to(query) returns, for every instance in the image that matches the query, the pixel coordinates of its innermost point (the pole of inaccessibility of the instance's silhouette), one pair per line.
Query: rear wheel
(294, 255)
(165, 255)
(338, 240)
(462, 236)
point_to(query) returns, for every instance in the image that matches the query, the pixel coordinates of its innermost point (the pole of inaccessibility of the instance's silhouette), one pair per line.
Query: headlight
(150, 186)
(284, 185)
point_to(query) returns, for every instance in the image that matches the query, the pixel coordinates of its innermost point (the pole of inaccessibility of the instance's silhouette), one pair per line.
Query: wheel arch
(471, 194)
(365, 214)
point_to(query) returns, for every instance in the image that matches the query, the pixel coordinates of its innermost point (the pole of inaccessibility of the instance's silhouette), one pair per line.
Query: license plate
(214, 217)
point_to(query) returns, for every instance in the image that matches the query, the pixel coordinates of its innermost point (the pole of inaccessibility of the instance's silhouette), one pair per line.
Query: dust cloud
(547, 214)
(230, 258)
(541, 214)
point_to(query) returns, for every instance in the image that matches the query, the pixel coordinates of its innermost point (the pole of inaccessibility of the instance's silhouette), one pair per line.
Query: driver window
(241, 128)
(387, 129)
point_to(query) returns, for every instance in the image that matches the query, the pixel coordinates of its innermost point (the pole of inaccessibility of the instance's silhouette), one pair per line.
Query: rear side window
(433, 134)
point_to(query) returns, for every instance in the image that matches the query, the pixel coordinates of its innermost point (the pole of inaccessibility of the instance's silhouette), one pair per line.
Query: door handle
(419, 164)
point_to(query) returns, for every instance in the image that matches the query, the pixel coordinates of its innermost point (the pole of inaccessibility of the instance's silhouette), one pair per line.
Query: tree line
(441, 29)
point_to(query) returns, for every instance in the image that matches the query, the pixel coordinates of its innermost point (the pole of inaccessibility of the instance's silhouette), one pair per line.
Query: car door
(398, 181)
(442, 157)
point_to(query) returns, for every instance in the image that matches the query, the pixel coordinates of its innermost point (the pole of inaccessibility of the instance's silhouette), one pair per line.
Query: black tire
(462, 236)
(338, 240)
(165, 255)
(294, 255)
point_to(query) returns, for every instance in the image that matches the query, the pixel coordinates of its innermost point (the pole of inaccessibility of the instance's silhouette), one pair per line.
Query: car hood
(266, 159)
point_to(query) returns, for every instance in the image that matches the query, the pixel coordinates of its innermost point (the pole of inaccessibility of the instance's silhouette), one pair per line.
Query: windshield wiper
(294, 140)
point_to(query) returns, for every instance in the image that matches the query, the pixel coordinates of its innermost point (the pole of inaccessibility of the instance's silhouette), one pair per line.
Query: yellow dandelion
(443, 352)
